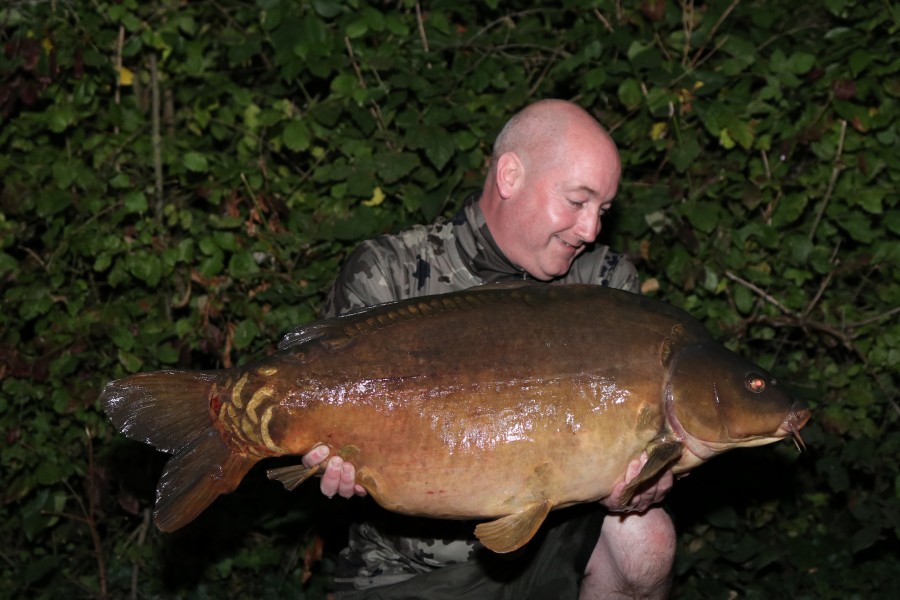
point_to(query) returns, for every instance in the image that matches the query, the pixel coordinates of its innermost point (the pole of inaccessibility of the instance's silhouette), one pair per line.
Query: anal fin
(513, 531)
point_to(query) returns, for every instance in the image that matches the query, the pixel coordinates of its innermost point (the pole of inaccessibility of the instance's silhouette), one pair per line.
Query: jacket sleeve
(625, 276)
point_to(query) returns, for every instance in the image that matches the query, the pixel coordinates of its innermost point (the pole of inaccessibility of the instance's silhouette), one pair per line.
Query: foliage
(181, 180)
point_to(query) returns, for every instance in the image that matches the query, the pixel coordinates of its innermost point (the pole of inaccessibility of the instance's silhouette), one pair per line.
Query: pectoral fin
(660, 454)
(513, 531)
(294, 475)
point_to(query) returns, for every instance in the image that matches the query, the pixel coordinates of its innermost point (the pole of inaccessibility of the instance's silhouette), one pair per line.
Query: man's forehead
(581, 188)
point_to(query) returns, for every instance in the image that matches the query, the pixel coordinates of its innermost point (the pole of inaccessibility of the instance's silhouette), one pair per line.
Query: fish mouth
(793, 423)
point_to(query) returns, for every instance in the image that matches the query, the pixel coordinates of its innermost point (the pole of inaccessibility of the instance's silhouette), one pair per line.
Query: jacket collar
(477, 247)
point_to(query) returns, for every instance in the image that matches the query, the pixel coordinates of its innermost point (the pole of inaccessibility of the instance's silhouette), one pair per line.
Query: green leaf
(7, 263)
(789, 209)
(122, 338)
(47, 473)
(135, 202)
(440, 150)
(743, 299)
(129, 361)
(242, 265)
(36, 570)
(630, 94)
(891, 221)
(392, 166)
(356, 28)
(865, 537)
(703, 215)
(64, 173)
(146, 267)
(195, 161)
(859, 60)
(344, 84)
(52, 202)
(59, 118)
(244, 334)
(167, 354)
(859, 227)
(296, 136)
(801, 62)
(683, 155)
(328, 8)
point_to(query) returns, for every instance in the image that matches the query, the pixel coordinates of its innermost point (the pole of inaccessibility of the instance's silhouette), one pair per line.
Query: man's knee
(633, 557)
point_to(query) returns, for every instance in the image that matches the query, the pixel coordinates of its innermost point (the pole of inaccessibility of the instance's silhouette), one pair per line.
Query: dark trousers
(550, 566)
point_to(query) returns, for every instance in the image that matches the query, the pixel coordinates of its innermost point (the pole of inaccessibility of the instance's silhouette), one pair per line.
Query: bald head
(554, 171)
(539, 133)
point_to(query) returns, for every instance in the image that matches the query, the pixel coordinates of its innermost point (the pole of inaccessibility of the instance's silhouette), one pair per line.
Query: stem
(760, 293)
(835, 171)
(156, 137)
(421, 24)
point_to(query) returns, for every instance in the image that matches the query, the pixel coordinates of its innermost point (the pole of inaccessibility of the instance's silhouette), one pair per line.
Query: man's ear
(510, 174)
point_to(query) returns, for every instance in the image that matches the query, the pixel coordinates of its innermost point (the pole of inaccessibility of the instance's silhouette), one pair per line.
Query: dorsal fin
(309, 332)
(337, 331)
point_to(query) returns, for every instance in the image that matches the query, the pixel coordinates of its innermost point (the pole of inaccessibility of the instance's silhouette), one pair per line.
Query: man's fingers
(316, 455)
(634, 467)
(347, 481)
(331, 479)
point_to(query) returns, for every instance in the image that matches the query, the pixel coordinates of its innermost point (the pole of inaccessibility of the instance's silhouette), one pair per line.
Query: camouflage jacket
(452, 255)
(449, 255)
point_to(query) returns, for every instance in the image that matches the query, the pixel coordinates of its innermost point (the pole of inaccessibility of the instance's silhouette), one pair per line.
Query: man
(554, 172)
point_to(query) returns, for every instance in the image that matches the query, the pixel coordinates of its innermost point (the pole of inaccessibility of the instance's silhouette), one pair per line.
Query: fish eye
(755, 383)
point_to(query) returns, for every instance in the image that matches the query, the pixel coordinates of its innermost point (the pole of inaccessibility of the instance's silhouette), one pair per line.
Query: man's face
(557, 211)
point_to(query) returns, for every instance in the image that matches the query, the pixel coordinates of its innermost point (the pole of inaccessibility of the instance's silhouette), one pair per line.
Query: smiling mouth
(574, 247)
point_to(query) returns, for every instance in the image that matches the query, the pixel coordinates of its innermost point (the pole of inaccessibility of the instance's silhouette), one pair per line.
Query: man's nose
(588, 226)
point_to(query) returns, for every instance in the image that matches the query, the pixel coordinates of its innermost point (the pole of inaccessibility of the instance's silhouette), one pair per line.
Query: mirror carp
(498, 403)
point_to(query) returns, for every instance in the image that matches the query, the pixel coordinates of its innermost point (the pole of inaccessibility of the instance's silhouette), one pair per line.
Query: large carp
(497, 403)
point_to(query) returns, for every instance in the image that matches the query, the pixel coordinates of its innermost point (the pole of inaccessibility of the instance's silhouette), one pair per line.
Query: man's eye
(575, 203)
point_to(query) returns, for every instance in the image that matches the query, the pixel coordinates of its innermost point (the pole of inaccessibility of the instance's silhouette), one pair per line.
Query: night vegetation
(179, 182)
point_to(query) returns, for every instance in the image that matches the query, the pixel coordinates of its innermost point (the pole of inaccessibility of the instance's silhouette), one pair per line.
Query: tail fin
(170, 410)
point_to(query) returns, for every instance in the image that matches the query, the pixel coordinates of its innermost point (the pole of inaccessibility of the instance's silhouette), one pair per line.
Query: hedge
(181, 180)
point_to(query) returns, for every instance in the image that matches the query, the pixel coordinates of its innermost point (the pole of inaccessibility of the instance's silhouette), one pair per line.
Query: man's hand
(645, 499)
(339, 476)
